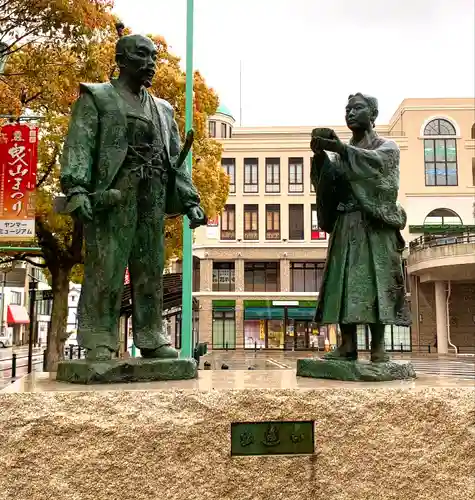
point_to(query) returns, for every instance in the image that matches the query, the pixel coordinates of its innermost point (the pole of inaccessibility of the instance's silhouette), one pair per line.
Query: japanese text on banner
(18, 166)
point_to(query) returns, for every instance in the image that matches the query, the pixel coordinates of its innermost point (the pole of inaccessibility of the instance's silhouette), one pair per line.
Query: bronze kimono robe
(357, 204)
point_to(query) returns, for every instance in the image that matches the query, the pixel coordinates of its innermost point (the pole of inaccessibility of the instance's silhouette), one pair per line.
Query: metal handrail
(431, 241)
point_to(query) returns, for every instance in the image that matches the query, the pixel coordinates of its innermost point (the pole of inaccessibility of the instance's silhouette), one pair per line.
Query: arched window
(472, 135)
(443, 217)
(440, 153)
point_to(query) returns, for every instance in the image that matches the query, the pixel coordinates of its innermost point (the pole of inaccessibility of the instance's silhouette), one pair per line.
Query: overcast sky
(301, 58)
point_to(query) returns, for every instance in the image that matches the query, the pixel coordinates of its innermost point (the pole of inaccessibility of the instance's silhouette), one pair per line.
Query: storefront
(18, 319)
(396, 338)
(281, 325)
(224, 324)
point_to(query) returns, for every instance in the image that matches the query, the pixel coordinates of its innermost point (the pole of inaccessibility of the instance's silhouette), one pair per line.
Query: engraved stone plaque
(273, 438)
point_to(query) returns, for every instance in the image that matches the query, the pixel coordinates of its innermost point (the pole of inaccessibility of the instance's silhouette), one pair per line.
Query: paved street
(20, 351)
(463, 368)
(22, 362)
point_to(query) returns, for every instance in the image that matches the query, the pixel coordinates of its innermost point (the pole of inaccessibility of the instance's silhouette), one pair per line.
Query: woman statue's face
(358, 114)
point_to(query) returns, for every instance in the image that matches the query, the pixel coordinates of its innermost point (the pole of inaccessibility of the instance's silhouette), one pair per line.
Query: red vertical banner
(18, 167)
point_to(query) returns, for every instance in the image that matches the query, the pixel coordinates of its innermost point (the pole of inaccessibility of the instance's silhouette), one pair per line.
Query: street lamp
(187, 268)
(3, 56)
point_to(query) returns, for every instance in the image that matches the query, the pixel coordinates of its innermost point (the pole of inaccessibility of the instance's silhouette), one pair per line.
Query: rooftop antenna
(240, 93)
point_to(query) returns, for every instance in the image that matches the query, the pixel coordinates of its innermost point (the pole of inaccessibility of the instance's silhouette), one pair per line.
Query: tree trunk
(57, 334)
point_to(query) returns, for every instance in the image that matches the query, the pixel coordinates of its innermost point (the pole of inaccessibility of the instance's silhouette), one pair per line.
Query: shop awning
(263, 313)
(17, 315)
(302, 313)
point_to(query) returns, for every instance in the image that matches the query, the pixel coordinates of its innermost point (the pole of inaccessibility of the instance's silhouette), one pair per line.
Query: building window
(261, 277)
(223, 277)
(296, 224)
(306, 276)
(38, 274)
(15, 298)
(316, 232)
(212, 129)
(272, 175)
(196, 274)
(295, 175)
(224, 329)
(44, 307)
(228, 223)
(224, 131)
(443, 217)
(251, 175)
(229, 166)
(440, 154)
(251, 222)
(272, 222)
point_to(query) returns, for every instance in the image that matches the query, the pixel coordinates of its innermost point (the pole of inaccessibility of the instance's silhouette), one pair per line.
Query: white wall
(418, 207)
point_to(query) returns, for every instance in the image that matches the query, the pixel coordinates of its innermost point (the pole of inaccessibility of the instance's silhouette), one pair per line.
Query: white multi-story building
(258, 266)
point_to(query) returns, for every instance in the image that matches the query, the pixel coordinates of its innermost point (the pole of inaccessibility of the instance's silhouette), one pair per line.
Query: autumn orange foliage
(54, 45)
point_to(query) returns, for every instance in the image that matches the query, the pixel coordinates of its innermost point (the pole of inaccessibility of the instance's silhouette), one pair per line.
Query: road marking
(277, 363)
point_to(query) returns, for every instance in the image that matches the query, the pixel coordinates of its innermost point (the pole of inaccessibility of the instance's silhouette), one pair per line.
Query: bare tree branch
(10, 50)
(77, 242)
(32, 98)
(51, 249)
(49, 168)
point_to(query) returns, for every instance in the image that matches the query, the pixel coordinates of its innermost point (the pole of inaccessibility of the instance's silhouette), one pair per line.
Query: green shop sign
(279, 303)
(224, 303)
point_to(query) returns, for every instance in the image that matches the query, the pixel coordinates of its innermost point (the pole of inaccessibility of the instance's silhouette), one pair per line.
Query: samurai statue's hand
(197, 217)
(80, 207)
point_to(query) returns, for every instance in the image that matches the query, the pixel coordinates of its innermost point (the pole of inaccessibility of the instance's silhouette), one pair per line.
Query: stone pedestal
(81, 371)
(385, 441)
(354, 370)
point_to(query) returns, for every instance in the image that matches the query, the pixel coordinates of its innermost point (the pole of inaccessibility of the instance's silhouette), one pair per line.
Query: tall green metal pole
(187, 282)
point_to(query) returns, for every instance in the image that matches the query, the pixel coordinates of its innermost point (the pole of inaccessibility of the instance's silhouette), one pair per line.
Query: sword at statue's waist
(190, 135)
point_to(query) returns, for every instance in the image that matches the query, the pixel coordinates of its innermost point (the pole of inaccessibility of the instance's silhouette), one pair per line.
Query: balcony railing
(431, 241)
(272, 235)
(435, 248)
(251, 235)
(228, 235)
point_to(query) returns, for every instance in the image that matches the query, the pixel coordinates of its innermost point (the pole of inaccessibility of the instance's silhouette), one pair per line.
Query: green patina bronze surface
(273, 438)
(82, 371)
(356, 188)
(354, 371)
(122, 173)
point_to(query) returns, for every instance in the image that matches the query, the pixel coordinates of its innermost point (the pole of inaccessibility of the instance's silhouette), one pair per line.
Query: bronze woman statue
(357, 187)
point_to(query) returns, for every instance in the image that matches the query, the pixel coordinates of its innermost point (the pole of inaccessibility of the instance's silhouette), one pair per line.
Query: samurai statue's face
(136, 57)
